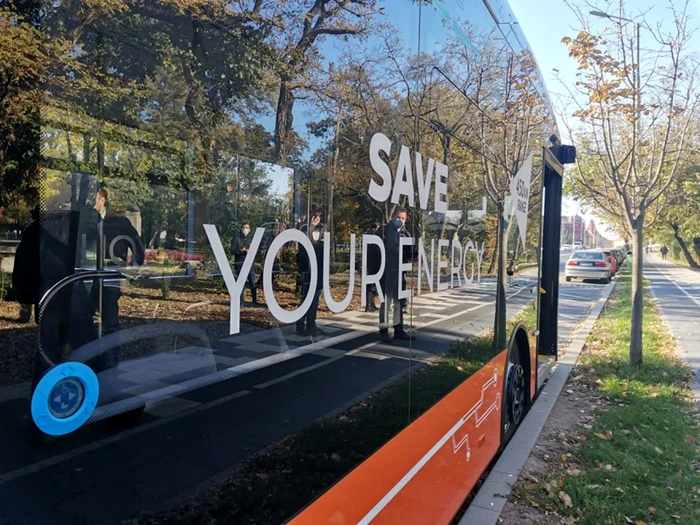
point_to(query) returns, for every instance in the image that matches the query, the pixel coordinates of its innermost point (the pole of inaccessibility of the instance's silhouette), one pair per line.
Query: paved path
(99, 476)
(678, 292)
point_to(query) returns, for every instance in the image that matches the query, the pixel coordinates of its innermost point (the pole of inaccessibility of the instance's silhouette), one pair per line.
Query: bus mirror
(565, 154)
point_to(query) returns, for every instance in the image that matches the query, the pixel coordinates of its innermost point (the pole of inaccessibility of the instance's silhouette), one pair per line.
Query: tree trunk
(637, 294)
(684, 247)
(283, 121)
(696, 246)
(499, 325)
(494, 253)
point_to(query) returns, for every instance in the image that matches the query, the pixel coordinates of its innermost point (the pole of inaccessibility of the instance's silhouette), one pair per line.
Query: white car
(588, 264)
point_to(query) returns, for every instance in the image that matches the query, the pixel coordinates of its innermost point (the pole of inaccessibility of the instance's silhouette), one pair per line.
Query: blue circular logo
(66, 397)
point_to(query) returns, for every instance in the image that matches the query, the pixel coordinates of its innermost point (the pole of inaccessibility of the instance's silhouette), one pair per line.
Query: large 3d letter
(372, 279)
(403, 185)
(404, 267)
(276, 310)
(442, 243)
(233, 285)
(333, 305)
(423, 265)
(380, 142)
(440, 187)
(455, 268)
(424, 181)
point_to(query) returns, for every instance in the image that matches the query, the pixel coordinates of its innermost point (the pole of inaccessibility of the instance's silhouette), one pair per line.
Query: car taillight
(572, 263)
(600, 265)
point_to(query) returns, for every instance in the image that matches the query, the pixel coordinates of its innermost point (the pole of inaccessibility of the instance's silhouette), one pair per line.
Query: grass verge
(272, 486)
(639, 462)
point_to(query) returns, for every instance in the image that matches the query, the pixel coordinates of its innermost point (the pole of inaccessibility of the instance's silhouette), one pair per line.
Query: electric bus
(302, 253)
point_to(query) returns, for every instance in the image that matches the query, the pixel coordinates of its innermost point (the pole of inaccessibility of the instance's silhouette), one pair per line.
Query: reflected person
(239, 248)
(391, 234)
(116, 237)
(307, 324)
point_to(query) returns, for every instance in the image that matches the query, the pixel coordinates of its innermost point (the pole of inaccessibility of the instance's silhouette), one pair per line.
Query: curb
(489, 501)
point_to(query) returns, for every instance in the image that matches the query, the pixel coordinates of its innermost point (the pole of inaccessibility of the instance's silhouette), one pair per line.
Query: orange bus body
(424, 474)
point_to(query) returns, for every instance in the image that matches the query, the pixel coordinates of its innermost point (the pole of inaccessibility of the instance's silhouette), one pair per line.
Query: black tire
(516, 396)
(606, 280)
(568, 279)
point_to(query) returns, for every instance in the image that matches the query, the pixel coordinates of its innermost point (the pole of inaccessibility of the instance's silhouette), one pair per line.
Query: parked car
(612, 259)
(565, 247)
(588, 264)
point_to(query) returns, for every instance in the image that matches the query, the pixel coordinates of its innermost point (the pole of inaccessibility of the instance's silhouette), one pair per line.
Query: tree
(635, 121)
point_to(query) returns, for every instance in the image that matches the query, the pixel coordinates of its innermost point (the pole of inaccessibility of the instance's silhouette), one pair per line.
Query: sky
(546, 22)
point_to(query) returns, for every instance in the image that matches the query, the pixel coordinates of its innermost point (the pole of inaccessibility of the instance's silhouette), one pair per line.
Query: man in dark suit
(239, 248)
(391, 234)
(307, 324)
(116, 237)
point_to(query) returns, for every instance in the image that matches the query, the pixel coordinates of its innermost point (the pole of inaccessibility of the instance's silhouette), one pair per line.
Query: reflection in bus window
(252, 217)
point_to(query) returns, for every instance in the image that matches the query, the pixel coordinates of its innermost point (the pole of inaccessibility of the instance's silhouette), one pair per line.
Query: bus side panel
(423, 475)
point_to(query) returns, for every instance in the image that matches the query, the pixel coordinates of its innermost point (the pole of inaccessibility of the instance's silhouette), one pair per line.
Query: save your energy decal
(412, 174)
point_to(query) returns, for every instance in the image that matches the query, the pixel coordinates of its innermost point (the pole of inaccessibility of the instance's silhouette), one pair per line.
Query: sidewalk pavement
(677, 291)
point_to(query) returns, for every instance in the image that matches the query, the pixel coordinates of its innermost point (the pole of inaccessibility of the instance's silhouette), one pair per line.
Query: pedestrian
(307, 324)
(116, 238)
(391, 234)
(239, 248)
(25, 274)
(664, 252)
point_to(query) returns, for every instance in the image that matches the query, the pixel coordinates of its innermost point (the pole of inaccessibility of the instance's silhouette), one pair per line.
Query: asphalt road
(100, 475)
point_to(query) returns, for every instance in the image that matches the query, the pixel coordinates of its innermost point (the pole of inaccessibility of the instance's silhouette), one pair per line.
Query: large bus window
(253, 222)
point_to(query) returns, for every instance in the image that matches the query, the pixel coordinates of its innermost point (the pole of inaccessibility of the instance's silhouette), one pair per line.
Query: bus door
(549, 277)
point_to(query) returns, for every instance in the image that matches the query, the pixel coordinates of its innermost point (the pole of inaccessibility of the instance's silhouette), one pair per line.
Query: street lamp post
(637, 80)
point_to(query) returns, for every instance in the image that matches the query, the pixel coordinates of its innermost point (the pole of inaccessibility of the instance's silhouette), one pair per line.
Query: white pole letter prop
(423, 265)
(469, 247)
(233, 285)
(276, 310)
(455, 268)
(440, 187)
(442, 243)
(334, 306)
(520, 193)
(372, 279)
(403, 185)
(380, 142)
(424, 181)
(404, 267)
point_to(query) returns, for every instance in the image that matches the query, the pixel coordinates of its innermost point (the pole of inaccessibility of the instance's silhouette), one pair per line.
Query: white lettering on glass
(233, 285)
(380, 142)
(282, 315)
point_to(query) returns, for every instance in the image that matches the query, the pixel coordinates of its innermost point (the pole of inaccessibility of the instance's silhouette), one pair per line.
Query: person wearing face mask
(239, 248)
(391, 234)
(307, 324)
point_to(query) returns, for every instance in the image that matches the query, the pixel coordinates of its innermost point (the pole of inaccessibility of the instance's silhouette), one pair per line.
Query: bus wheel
(515, 395)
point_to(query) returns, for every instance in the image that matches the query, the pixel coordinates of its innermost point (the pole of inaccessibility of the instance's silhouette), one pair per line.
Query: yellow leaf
(564, 458)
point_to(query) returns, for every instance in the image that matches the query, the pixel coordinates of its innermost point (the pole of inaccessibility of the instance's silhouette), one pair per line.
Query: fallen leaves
(565, 499)
(607, 436)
